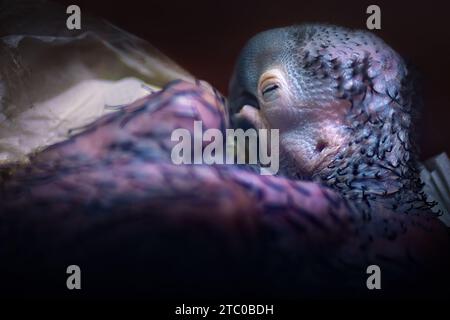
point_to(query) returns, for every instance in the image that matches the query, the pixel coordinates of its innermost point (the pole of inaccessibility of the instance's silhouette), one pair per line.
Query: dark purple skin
(110, 200)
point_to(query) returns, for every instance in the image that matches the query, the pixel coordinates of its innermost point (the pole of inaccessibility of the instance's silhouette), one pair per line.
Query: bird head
(342, 100)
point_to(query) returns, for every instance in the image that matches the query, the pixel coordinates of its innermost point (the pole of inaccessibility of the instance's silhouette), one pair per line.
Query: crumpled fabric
(54, 80)
(435, 174)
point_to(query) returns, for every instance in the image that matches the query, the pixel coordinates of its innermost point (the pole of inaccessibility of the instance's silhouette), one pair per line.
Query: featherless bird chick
(110, 198)
(345, 104)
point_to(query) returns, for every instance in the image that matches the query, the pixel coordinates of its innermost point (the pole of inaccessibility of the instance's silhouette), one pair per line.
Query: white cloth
(50, 121)
(51, 84)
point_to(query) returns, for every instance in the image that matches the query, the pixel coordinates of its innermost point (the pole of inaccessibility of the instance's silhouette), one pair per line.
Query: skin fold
(110, 199)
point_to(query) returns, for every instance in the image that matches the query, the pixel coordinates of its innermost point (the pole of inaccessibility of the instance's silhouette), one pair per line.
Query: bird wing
(111, 194)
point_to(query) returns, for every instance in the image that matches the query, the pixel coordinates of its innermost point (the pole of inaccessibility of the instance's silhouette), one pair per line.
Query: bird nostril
(321, 145)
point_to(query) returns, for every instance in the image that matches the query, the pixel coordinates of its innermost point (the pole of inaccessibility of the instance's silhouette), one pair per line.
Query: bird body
(110, 198)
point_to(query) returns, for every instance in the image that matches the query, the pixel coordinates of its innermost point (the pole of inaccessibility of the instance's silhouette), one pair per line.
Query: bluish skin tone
(345, 105)
(110, 197)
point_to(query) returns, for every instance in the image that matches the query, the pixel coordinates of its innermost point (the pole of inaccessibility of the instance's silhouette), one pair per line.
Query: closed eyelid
(267, 81)
(270, 87)
(270, 77)
(267, 84)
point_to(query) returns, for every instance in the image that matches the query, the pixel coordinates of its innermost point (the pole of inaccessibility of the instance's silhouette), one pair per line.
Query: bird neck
(377, 166)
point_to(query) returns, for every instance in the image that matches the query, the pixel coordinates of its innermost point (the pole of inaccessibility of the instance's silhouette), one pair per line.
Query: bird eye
(270, 84)
(269, 92)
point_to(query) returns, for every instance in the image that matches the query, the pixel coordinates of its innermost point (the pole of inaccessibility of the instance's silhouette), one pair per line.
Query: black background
(205, 38)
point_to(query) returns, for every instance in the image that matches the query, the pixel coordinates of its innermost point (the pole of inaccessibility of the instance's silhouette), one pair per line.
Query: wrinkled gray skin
(344, 103)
